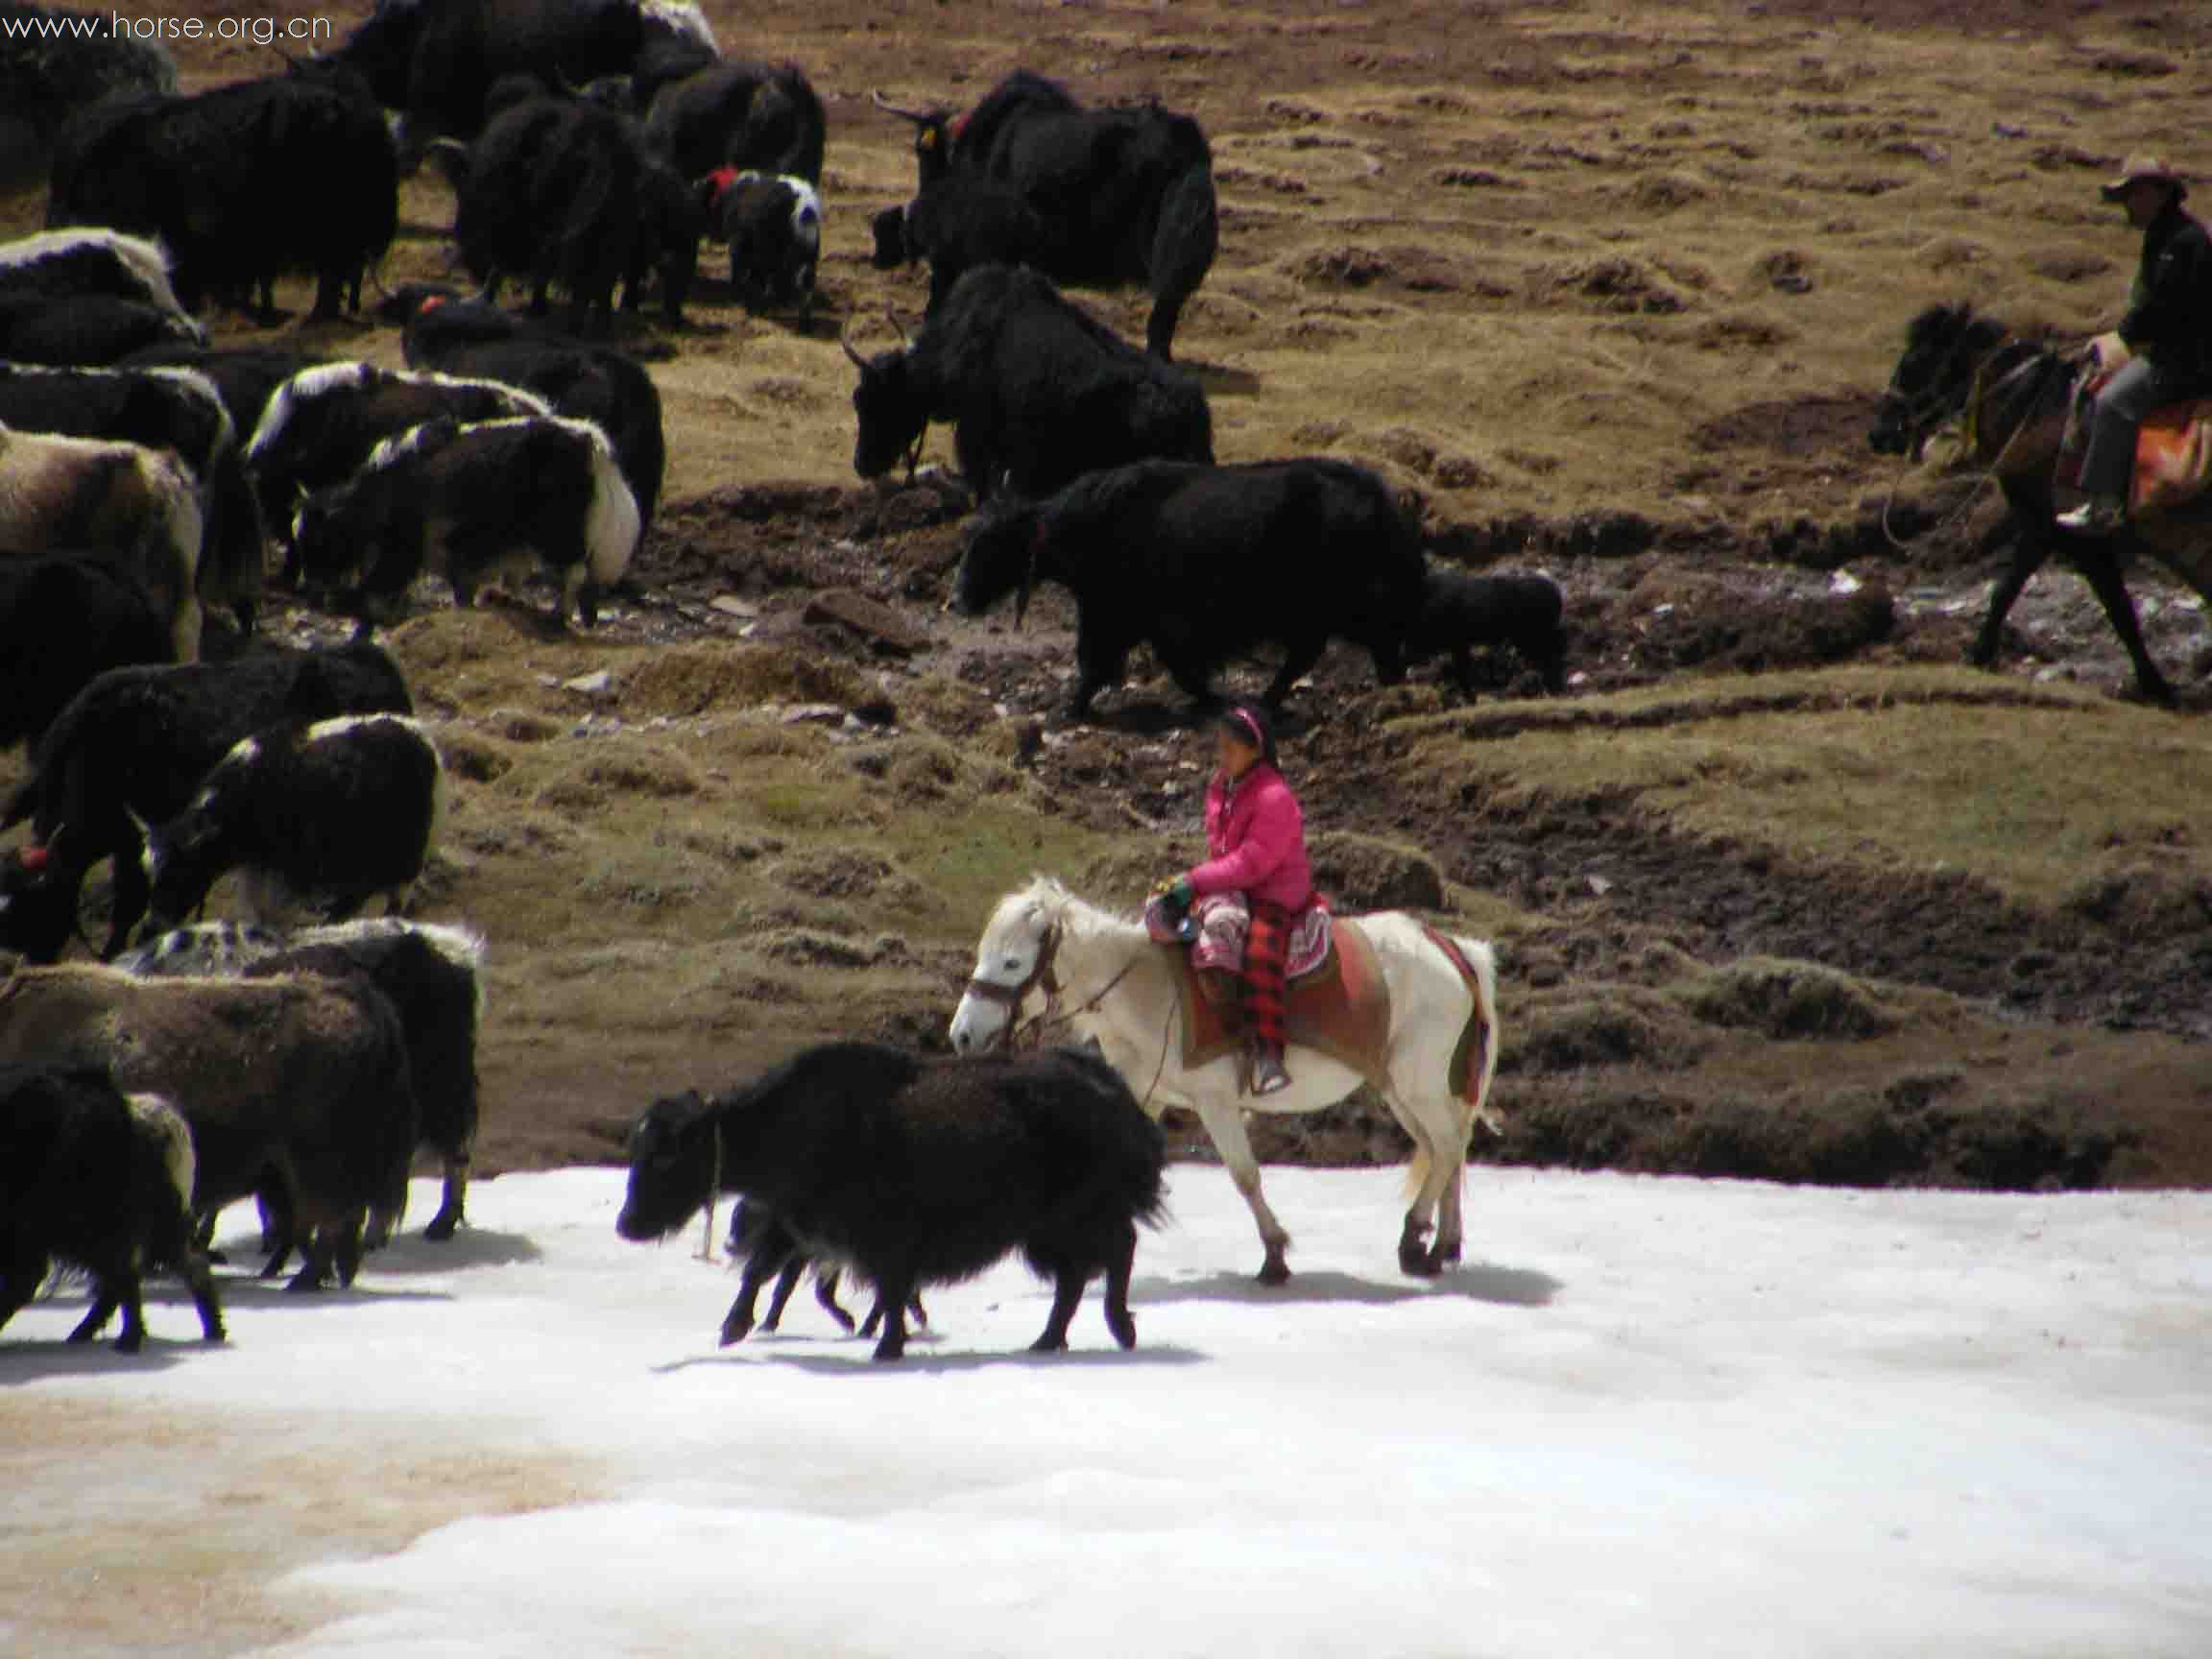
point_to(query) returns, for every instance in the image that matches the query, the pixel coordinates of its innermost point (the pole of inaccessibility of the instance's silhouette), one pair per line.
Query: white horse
(1044, 943)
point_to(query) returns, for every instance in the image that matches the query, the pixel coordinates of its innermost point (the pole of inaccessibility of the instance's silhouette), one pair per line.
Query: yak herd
(150, 484)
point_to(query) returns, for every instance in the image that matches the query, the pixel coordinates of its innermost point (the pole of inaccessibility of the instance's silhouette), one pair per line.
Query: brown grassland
(1779, 889)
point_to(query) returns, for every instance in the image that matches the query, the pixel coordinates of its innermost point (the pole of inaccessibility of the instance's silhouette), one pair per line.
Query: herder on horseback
(2167, 332)
(1241, 906)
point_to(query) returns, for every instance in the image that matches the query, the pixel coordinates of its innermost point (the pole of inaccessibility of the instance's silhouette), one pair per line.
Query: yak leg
(1183, 249)
(893, 1291)
(279, 1232)
(1098, 665)
(1119, 1272)
(2102, 574)
(104, 1301)
(1299, 660)
(1067, 1296)
(203, 1284)
(775, 1248)
(329, 297)
(452, 1204)
(914, 1312)
(1224, 1121)
(826, 1298)
(787, 1281)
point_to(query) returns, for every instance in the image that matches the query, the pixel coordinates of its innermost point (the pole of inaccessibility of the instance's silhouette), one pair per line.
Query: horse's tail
(1475, 1057)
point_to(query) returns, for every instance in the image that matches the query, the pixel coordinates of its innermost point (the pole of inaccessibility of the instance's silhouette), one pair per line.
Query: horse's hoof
(733, 1332)
(1275, 1272)
(441, 1228)
(1419, 1263)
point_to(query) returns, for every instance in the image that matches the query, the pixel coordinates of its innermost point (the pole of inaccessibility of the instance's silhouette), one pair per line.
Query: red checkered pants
(1264, 949)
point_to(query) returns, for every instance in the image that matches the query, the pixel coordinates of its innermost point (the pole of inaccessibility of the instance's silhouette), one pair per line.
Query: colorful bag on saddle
(1225, 922)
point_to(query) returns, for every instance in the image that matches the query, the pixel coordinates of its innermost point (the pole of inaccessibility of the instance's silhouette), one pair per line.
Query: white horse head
(1013, 963)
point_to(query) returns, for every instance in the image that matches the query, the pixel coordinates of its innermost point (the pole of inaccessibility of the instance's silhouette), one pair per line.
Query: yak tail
(1482, 1063)
(612, 529)
(1183, 249)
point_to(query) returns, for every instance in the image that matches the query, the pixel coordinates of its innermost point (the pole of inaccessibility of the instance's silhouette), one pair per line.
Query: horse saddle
(1340, 1009)
(2173, 452)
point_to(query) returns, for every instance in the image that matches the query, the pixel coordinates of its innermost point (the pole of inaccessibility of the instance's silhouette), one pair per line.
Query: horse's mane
(1050, 893)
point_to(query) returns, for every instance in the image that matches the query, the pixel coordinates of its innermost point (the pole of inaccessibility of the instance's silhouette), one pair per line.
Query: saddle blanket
(2173, 454)
(1224, 923)
(1341, 1008)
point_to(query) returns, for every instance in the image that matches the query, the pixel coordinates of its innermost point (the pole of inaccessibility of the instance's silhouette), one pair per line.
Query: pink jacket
(1256, 836)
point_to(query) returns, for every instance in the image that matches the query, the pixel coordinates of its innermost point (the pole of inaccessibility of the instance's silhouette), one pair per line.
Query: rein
(1979, 391)
(1044, 976)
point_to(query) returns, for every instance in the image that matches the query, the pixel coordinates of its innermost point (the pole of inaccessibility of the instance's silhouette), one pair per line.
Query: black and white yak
(79, 264)
(325, 814)
(242, 184)
(431, 975)
(175, 409)
(916, 1171)
(1126, 193)
(89, 332)
(753, 117)
(120, 500)
(476, 503)
(1205, 563)
(582, 382)
(132, 747)
(1039, 392)
(296, 1087)
(321, 425)
(773, 225)
(101, 1180)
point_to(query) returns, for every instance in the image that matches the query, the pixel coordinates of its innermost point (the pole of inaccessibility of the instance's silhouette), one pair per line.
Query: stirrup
(1268, 1074)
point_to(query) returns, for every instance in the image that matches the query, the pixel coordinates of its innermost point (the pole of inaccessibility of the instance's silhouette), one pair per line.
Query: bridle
(1044, 976)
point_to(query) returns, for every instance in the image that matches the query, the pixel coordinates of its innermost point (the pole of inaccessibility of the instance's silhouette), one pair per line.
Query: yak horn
(845, 339)
(896, 323)
(917, 116)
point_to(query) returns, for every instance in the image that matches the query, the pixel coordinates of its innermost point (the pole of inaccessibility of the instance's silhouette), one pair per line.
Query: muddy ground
(1609, 291)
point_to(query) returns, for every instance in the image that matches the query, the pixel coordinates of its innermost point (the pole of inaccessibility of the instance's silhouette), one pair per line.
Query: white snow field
(1657, 1417)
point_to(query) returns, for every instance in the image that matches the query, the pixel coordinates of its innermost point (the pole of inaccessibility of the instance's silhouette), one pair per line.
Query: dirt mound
(1788, 1001)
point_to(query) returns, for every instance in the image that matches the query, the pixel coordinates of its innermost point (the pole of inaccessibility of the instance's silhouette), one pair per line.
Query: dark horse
(2012, 394)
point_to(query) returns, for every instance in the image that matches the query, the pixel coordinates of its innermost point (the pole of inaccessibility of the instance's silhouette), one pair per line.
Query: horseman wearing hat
(2167, 331)
(1255, 881)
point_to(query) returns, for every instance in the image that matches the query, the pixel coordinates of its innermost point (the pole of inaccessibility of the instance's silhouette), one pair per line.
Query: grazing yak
(554, 193)
(242, 184)
(54, 63)
(324, 814)
(433, 978)
(916, 1171)
(1204, 563)
(131, 748)
(474, 503)
(773, 225)
(671, 221)
(1460, 612)
(958, 223)
(322, 424)
(1039, 392)
(80, 264)
(436, 61)
(89, 332)
(296, 1087)
(64, 621)
(582, 382)
(1126, 193)
(100, 1180)
(60, 494)
(753, 117)
(174, 409)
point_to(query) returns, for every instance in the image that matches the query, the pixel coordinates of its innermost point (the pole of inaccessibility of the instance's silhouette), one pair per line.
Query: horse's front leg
(2030, 554)
(1224, 1121)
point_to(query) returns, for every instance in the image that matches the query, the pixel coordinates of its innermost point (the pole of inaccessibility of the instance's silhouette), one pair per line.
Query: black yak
(917, 1173)
(1204, 563)
(1039, 392)
(757, 117)
(1126, 193)
(102, 1181)
(1460, 612)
